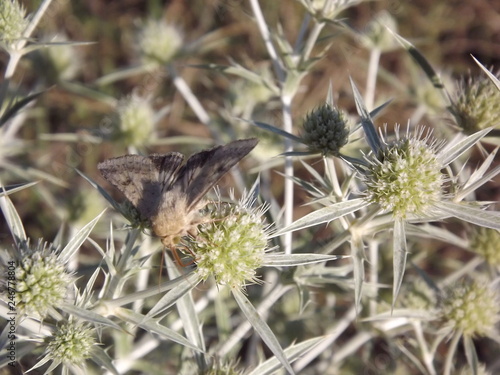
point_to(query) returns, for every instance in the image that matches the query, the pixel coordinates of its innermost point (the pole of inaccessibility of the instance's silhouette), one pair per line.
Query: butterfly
(169, 193)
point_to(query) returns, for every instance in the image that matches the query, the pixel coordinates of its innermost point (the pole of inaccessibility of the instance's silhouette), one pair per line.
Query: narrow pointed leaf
(103, 192)
(89, 316)
(12, 111)
(375, 112)
(324, 215)
(153, 326)
(399, 254)
(471, 354)
(274, 129)
(449, 154)
(13, 221)
(291, 260)
(485, 165)
(424, 64)
(490, 75)
(7, 190)
(366, 122)
(261, 327)
(469, 188)
(189, 317)
(100, 357)
(474, 215)
(299, 153)
(191, 280)
(293, 352)
(77, 240)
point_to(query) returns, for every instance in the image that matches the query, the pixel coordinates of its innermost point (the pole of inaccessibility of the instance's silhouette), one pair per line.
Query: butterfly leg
(178, 259)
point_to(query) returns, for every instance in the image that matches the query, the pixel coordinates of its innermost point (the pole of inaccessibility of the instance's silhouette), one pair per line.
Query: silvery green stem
(371, 80)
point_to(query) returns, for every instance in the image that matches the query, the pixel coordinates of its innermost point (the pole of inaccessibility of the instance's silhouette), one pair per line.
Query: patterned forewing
(141, 178)
(204, 169)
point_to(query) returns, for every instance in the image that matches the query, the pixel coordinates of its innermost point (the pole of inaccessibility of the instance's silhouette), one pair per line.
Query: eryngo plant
(404, 181)
(413, 185)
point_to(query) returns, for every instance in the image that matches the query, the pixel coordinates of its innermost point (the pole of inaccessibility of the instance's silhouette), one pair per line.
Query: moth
(168, 192)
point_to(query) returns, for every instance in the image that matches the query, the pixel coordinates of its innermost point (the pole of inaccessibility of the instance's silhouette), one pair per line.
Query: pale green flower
(232, 244)
(405, 177)
(71, 344)
(135, 121)
(486, 242)
(42, 281)
(159, 42)
(476, 104)
(472, 309)
(13, 21)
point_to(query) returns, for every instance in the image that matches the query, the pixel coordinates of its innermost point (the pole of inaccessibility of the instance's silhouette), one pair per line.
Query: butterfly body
(168, 193)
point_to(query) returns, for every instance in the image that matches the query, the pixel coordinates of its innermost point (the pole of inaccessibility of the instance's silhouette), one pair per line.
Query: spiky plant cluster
(476, 104)
(486, 242)
(472, 309)
(71, 344)
(13, 21)
(134, 124)
(326, 130)
(41, 281)
(405, 178)
(159, 42)
(231, 245)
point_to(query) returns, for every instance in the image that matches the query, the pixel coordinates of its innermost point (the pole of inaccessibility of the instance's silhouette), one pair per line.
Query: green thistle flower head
(326, 130)
(405, 178)
(486, 242)
(476, 104)
(71, 344)
(472, 309)
(42, 281)
(232, 244)
(134, 125)
(159, 42)
(13, 21)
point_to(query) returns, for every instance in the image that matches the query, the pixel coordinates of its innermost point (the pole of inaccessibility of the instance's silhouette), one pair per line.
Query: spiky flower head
(471, 308)
(405, 178)
(476, 104)
(134, 121)
(486, 242)
(71, 344)
(231, 244)
(13, 21)
(326, 130)
(159, 42)
(41, 281)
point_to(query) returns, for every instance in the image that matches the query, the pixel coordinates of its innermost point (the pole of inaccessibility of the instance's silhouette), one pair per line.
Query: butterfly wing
(204, 169)
(142, 179)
